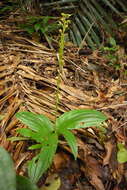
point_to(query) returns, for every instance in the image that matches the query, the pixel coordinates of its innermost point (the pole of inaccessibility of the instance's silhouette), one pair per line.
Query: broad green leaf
(37, 136)
(79, 119)
(39, 164)
(24, 183)
(25, 132)
(45, 121)
(7, 173)
(36, 122)
(71, 140)
(32, 165)
(122, 153)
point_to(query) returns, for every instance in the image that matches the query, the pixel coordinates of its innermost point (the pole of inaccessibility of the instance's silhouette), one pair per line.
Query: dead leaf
(94, 173)
(60, 160)
(109, 147)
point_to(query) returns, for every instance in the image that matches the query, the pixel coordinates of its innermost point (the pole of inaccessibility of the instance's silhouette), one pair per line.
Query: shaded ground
(28, 72)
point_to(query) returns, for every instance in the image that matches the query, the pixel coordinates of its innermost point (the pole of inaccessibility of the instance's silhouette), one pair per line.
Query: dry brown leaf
(109, 148)
(94, 173)
(60, 160)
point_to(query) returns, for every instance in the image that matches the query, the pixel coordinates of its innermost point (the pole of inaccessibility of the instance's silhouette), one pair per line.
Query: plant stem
(64, 22)
(57, 94)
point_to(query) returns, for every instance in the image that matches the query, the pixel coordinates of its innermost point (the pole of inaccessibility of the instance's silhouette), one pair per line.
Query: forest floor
(28, 72)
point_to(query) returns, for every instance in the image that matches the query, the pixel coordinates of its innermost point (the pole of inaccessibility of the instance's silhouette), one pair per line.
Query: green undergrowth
(41, 26)
(112, 53)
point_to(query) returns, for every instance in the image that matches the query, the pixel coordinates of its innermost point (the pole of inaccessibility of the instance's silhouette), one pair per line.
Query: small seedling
(111, 53)
(42, 26)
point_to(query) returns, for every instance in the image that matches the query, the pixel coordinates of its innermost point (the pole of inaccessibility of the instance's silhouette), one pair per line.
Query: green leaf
(32, 165)
(79, 119)
(25, 132)
(112, 41)
(71, 140)
(29, 29)
(39, 164)
(35, 146)
(37, 26)
(37, 136)
(24, 183)
(122, 153)
(43, 30)
(36, 122)
(7, 173)
(45, 20)
(45, 121)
